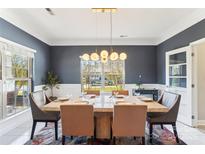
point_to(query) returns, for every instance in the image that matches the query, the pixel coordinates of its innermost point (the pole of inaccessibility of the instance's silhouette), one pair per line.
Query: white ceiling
(78, 26)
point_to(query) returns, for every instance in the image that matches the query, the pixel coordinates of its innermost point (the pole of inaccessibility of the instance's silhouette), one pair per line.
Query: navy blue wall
(42, 57)
(65, 62)
(182, 39)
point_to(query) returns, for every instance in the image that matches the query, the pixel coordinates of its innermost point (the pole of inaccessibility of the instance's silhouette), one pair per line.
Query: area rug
(46, 136)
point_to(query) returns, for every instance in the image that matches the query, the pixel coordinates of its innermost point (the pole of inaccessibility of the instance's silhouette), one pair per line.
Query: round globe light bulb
(104, 53)
(114, 56)
(123, 56)
(94, 56)
(85, 56)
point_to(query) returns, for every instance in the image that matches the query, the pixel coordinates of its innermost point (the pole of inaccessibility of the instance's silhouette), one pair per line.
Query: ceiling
(83, 27)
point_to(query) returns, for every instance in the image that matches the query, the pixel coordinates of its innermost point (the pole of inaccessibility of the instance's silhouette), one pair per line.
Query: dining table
(103, 106)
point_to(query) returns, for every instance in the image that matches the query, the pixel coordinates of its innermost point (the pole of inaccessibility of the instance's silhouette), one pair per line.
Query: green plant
(51, 82)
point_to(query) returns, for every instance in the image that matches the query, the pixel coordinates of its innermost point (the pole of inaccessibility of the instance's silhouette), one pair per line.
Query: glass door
(16, 83)
(16, 73)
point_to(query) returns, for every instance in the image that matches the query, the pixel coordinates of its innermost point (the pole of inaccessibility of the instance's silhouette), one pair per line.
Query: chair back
(172, 101)
(129, 120)
(94, 92)
(39, 98)
(77, 119)
(169, 99)
(121, 92)
(36, 101)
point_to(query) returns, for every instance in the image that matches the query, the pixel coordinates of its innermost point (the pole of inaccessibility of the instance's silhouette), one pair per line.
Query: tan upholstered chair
(77, 120)
(37, 100)
(94, 92)
(121, 92)
(129, 120)
(172, 101)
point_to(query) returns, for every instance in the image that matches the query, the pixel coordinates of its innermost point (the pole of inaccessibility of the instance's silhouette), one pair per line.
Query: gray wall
(146, 60)
(42, 57)
(65, 62)
(182, 39)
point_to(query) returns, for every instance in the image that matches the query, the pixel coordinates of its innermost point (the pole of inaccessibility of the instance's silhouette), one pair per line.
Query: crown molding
(123, 41)
(194, 18)
(189, 21)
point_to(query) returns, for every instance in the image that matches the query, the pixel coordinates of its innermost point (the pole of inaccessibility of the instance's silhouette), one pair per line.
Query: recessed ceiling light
(123, 36)
(49, 11)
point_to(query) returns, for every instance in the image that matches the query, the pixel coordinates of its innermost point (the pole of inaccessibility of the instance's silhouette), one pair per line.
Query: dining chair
(94, 92)
(37, 100)
(121, 92)
(77, 120)
(172, 101)
(129, 121)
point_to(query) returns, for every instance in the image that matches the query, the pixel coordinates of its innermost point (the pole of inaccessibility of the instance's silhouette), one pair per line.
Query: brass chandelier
(104, 54)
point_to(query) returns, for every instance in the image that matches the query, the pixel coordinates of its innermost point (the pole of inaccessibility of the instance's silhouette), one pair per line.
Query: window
(177, 69)
(96, 75)
(16, 73)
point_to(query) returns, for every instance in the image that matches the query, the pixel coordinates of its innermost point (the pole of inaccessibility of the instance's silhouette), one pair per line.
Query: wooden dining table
(103, 109)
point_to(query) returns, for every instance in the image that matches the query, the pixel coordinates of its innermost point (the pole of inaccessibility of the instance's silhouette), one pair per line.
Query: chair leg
(111, 133)
(143, 140)
(175, 132)
(92, 140)
(71, 137)
(134, 137)
(114, 140)
(63, 140)
(33, 129)
(162, 127)
(46, 124)
(56, 130)
(150, 132)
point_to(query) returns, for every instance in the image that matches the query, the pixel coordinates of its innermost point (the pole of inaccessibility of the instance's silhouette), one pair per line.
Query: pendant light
(85, 57)
(123, 56)
(104, 54)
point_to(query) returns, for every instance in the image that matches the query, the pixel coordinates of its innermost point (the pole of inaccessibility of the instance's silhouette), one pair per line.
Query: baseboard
(201, 122)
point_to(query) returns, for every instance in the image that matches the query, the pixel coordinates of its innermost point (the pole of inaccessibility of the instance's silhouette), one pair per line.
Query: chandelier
(104, 55)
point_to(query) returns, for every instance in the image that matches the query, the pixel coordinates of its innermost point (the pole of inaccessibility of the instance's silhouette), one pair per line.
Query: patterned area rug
(46, 136)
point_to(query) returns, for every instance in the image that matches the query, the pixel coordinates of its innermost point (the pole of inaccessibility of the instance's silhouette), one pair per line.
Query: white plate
(120, 96)
(146, 99)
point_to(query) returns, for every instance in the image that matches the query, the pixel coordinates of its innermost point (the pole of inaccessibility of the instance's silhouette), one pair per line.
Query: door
(198, 76)
(178, 80)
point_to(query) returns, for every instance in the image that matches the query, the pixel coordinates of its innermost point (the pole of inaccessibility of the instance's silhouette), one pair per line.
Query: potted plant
(51, 82)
